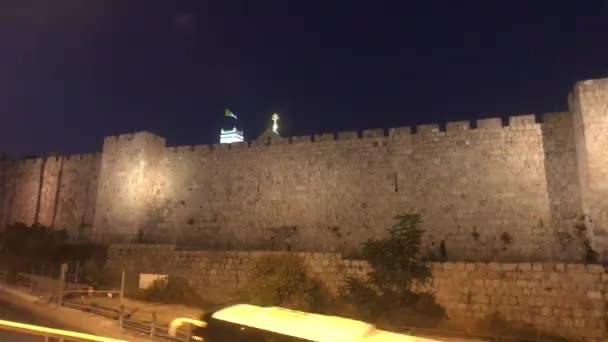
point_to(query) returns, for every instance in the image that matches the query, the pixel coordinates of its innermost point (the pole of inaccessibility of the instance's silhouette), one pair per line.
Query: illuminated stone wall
(127, 182)
(22, 190)
(589, 105)
(57, 192)
(488, 190)
(557, 298)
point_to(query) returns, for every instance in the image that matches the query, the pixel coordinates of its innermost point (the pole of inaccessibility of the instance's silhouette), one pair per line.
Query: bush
(22, 247)
(395, 260)
(387, 293)
(365, 300)
(282, 280)
(174, 290)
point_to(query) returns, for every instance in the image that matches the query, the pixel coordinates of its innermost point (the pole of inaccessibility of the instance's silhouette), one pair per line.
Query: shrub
(282, 280)
(174, 290)
(591, 256)
(395, 260)
(363, 297)
(396, 268)
(22, 247)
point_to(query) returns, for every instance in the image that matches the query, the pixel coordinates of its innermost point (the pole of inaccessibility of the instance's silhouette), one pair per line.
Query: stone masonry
(530, 189)
(564, 299)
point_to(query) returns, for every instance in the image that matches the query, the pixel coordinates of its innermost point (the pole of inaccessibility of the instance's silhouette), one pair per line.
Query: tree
(395, 259)
(396, 268)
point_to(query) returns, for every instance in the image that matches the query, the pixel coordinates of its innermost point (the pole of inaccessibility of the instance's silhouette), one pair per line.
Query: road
(9, 312)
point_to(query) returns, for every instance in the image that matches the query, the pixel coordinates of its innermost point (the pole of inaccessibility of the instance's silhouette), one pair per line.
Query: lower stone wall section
(564, 299)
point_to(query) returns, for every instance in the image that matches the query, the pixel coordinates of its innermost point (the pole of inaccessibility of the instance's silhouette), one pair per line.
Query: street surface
(9, 312)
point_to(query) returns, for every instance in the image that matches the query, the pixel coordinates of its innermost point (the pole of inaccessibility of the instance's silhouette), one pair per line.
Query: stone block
(482, 299)
(594, 295)
(566, 322)
(522, 120)
(449, 266)
(348, 135)
(524, 266)
(545, 311)
(400, 131)
(494, 266)
(371, 133)
(427, 129)
(595, 268)
(508, 267)
(537, 267)
(575, 267)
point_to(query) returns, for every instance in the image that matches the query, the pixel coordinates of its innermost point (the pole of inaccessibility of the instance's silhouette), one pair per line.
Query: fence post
(64, 269)
(76, 278)
(120, 316)
(153, 324)
(122, 287)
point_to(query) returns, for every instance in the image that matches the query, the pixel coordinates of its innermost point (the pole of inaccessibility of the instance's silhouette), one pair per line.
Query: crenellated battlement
(27, 161)
(77, 160)
(131, 139)
(409, 134)
(70, 159)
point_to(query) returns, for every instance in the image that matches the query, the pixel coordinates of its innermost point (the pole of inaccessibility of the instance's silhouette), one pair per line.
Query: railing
(143, 322)
(58, 292)
(48, 333)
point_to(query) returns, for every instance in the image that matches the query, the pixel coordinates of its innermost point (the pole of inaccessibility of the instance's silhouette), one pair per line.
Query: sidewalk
(73, 319)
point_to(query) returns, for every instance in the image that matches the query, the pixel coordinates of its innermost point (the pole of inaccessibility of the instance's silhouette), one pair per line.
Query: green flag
(227, 112)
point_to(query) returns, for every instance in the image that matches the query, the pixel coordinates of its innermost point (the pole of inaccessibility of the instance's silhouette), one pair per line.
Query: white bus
(271, 324)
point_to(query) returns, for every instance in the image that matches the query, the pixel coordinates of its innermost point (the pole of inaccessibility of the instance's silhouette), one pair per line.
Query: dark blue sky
(73, 71)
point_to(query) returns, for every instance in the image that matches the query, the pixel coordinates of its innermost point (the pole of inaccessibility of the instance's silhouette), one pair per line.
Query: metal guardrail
(47, 333)
(134, 320)
(142, 322)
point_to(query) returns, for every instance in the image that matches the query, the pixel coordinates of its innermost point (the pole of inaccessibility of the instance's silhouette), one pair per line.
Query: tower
(589, 107)
(127, 180)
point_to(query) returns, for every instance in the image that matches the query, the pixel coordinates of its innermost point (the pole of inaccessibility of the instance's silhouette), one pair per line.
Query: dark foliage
(396, 268)
(282, 279)
(395, 259)
(23, 248)
(174, 290)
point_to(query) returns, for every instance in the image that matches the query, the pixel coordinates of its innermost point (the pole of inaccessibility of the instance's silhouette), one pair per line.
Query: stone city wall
(564, 299)
(472, 186)
(531, 188)
(57, 192)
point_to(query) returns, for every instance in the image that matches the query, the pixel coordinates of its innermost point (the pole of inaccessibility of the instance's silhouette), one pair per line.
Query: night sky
(74, 71)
